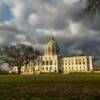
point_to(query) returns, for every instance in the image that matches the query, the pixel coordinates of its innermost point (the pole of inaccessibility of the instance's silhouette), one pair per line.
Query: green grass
(50, 87)
(49, 78)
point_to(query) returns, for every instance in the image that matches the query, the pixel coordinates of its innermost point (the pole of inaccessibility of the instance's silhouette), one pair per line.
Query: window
(15, 69)
(34, 63)
(43, 68)
(46, 68)
(50, 62)
(66, 63)
(55, 63)
(46, 62)
(80, 63)
(50, 68)
(53, 51)
(43, 63)
(69, 62)
(83, 62)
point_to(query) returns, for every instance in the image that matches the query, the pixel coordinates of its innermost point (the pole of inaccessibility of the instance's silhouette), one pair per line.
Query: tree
(17, 55)
(92, 6)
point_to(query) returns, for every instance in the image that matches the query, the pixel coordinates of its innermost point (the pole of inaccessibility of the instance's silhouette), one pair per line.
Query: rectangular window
(80, 63)
(42, 62)
(50, 62)
(55, 63)
(46, 62)
(46, 68)
(66, 63)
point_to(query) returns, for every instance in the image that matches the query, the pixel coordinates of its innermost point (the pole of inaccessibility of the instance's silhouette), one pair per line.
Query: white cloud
(19, 10)
(2, 39)
(33, 19)
(70, 1)
(75, 28)
(20, 37)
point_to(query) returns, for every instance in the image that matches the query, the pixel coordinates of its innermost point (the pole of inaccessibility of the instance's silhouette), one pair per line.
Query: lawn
(50, 87)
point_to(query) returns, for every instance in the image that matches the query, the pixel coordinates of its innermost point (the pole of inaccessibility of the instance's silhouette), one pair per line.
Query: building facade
(53, 62)
(78, 64)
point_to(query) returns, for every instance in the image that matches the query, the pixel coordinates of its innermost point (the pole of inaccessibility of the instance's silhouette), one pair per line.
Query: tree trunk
(19, 70)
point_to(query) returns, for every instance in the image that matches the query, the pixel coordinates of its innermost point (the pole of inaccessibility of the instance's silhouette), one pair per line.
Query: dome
(52, 47)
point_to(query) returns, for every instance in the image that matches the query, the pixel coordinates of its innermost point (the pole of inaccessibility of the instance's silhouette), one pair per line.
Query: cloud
(34, 21)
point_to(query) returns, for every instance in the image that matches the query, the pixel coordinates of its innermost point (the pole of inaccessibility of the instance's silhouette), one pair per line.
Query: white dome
(52, 47)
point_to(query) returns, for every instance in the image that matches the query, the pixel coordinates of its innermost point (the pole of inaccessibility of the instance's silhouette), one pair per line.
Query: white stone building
(53, 62)
(78, 64)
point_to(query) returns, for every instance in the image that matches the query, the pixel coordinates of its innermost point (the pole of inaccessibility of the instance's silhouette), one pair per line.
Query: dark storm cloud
(13, 34)
(79, 46)
(9, 29)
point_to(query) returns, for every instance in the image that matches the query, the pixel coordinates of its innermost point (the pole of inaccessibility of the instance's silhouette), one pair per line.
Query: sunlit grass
(50, 87)
(49, 78)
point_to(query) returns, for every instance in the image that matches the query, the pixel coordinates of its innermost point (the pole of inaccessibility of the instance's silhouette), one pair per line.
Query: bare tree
(17, 55)
(92, 6)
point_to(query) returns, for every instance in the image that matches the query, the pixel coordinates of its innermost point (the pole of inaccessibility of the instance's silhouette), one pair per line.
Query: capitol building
(53, 62)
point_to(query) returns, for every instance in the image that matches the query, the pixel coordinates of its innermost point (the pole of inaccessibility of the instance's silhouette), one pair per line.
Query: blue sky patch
(6, 13)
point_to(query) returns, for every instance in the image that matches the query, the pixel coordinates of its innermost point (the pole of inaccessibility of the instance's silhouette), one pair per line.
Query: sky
(33, 22)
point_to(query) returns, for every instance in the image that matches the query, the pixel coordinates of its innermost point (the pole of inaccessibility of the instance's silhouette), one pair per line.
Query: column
(91, 63)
